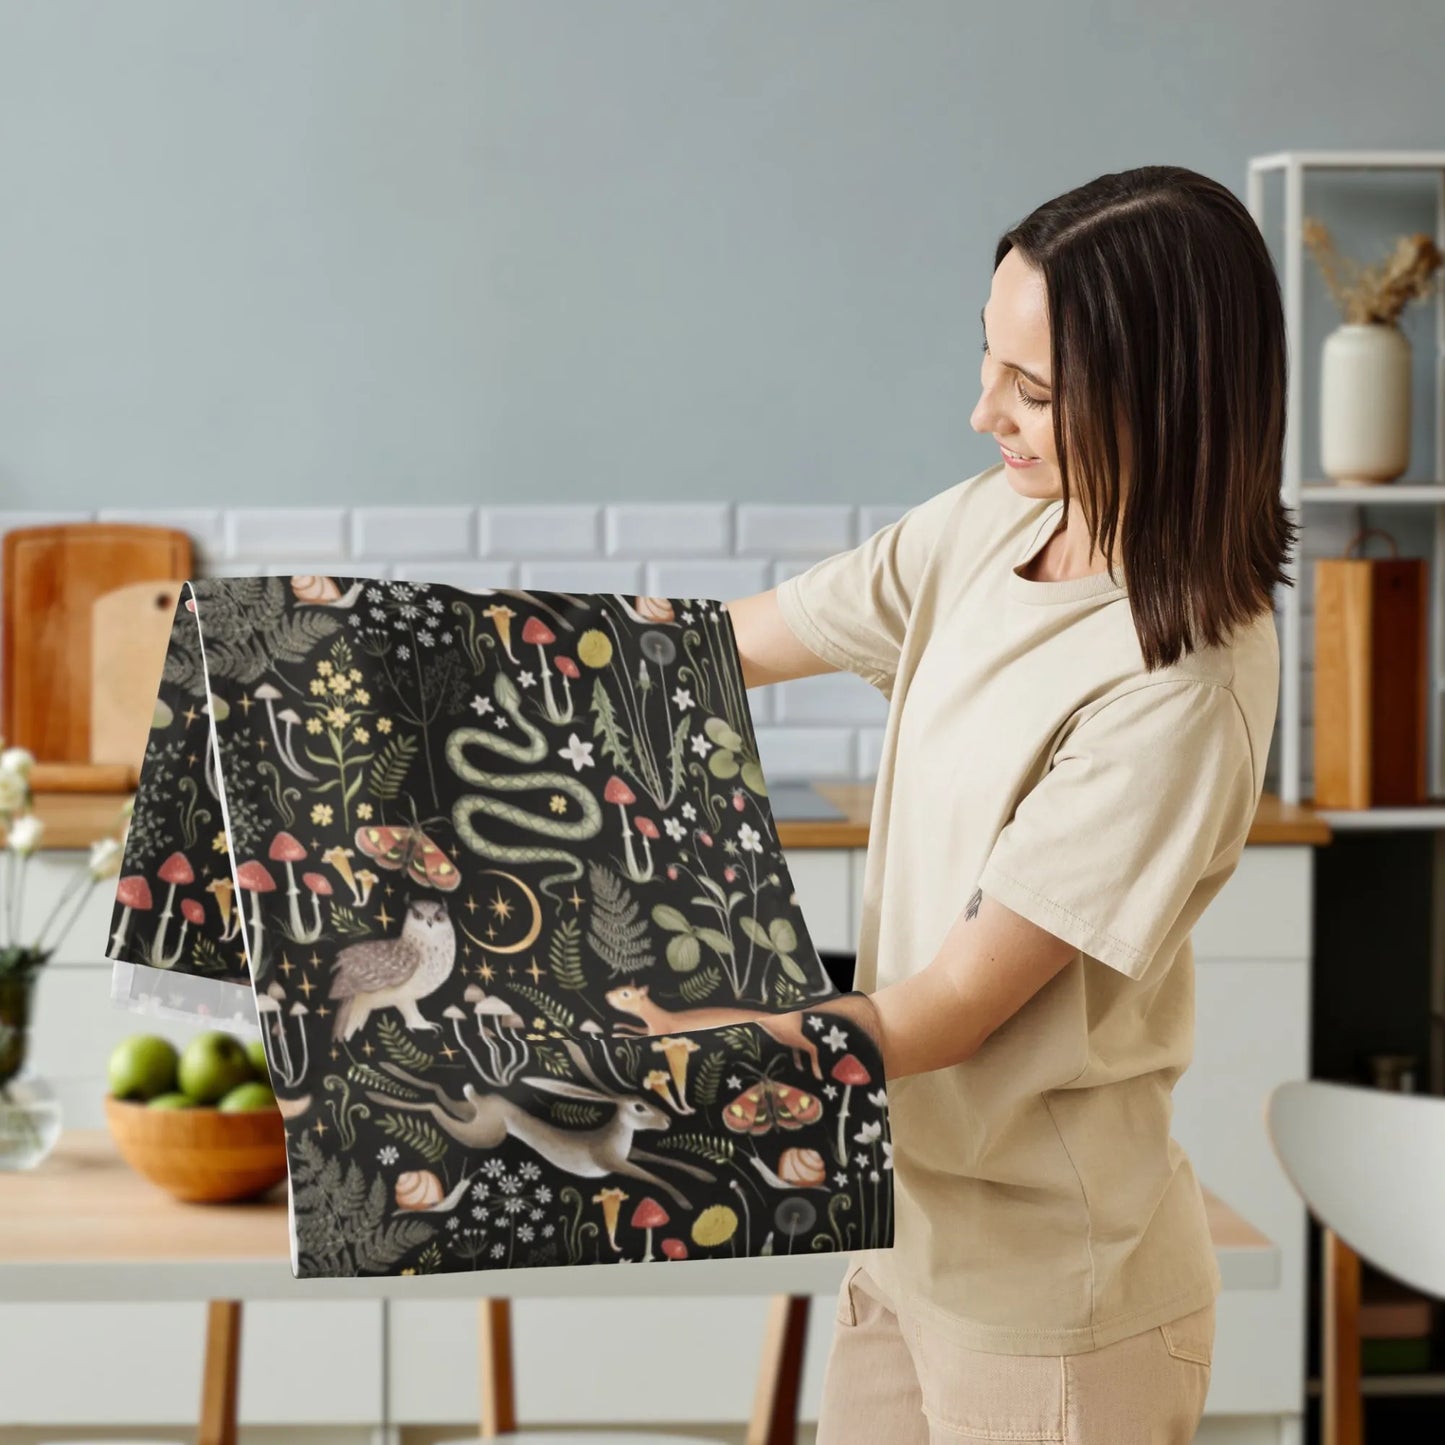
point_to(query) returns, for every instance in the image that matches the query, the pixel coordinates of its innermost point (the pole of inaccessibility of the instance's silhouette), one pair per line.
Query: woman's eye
(1023, 396)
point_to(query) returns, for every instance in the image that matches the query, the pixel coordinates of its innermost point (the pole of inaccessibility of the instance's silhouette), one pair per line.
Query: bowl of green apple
(200, 1121)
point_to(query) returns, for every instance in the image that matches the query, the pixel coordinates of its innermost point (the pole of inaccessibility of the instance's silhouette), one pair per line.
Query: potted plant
(29, 1110)
(1365, 364)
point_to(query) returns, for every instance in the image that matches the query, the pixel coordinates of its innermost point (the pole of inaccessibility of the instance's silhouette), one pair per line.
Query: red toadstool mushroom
(649, 1215)
(132, 892)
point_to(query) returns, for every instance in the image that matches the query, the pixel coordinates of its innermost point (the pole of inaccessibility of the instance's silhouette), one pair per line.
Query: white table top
(83, 1226)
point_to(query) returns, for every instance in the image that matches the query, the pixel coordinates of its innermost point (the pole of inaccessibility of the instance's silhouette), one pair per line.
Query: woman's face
(1016, 407)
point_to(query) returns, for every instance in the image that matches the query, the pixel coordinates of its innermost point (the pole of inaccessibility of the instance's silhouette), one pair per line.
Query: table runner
(495, 876)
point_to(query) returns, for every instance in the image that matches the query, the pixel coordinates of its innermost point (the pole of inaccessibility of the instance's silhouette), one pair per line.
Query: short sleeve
(1137, 824)
(853, 608)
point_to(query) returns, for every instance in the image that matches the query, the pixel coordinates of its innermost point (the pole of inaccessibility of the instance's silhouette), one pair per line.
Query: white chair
(1370, 1166)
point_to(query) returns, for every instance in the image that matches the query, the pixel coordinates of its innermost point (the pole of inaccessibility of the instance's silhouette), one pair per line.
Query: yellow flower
(383, 724)
(356, 674)
(318, 686)
(363, 811)
(557, 803)
(338, 717)
(715, 1225)
(324, 668)
(313, 725)
(594, 648)
(340, 684)
(362, 696)
(218, 843)
(361, 735)
(321, 815)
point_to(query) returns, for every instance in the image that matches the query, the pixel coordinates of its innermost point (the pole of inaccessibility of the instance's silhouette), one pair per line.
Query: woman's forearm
(919, 1023)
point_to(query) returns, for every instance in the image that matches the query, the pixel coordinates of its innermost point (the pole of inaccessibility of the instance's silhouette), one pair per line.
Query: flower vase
(1365, 404)
(30, 1113)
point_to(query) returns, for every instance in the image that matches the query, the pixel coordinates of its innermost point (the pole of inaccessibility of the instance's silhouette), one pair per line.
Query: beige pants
(890, 1378)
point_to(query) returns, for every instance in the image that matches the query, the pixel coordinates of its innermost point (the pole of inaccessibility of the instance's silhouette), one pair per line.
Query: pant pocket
(847, 1312)
(1191, 1336)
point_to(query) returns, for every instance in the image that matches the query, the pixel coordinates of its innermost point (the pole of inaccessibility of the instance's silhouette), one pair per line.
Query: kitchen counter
(75, 820)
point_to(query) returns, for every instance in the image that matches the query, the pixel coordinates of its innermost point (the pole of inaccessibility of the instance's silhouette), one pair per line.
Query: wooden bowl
(201, 1155)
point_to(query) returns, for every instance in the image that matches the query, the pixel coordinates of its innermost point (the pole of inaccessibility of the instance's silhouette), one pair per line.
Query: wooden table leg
(1342, 1409)
(220, 1379)
(494, 1339)
(780, 1375)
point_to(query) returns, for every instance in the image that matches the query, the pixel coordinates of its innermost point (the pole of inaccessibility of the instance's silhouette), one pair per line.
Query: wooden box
(1371, 682)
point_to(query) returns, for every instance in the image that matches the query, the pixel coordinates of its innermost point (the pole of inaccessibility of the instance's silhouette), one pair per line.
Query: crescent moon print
(534, 927)
(496, 874)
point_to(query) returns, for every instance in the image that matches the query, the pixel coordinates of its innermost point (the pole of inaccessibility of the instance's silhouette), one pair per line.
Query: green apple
(256, 1052)
(142, 1066)
(212, 1064)
(176, 1100)
(246, 1097)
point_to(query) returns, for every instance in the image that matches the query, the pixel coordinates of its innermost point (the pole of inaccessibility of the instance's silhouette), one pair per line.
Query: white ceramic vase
(1365, 404)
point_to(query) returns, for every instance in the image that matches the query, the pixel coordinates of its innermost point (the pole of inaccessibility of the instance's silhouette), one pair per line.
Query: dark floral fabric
(500, 872)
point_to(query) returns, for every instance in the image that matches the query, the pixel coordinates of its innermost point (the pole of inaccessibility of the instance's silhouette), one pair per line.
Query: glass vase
(30, 1115)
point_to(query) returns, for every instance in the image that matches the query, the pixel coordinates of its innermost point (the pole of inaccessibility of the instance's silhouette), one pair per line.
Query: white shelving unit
(1300, 496)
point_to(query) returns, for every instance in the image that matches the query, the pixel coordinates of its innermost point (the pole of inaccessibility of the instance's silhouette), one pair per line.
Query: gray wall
(345, 252)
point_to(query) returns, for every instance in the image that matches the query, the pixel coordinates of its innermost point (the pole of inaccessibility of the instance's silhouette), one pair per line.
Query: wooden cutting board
(52, 578)
(130, 631)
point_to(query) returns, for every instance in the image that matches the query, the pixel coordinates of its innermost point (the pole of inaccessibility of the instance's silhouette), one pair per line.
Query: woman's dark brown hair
(1168, 362)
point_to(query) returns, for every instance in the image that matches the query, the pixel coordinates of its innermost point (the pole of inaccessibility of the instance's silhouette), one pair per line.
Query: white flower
(750, 838)
(25, 834)
(16, 760)
(578, 753)
(675, 830)
(683, 698)
(105, 857)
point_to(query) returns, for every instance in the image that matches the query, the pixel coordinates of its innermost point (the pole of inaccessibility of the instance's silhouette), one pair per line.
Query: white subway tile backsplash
(583, 575)
(870, 749)
(831, 697)
(791, 566)
(414, 532)
(9, 521)
(273, 533)
(721, 580)
(682, 529)
(309, 567)
(553, 530)
(797, 752)
(773, 530)
(473, 576)
(872, 519)
(205, 526)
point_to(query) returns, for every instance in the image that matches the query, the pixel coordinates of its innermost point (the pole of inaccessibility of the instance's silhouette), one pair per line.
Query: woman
(1079, 649)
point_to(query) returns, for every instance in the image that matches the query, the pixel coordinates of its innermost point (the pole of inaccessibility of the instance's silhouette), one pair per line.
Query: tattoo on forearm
(973, 904)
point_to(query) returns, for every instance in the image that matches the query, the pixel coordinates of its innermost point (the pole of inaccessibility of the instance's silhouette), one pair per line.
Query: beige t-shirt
(1041, 1206)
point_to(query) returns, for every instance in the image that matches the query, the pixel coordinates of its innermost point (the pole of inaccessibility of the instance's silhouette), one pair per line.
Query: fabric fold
(495, 877)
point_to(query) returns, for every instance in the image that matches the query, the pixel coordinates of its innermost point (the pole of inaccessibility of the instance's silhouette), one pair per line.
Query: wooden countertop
(75, 820)
(84, 1225)
(1274, 821)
